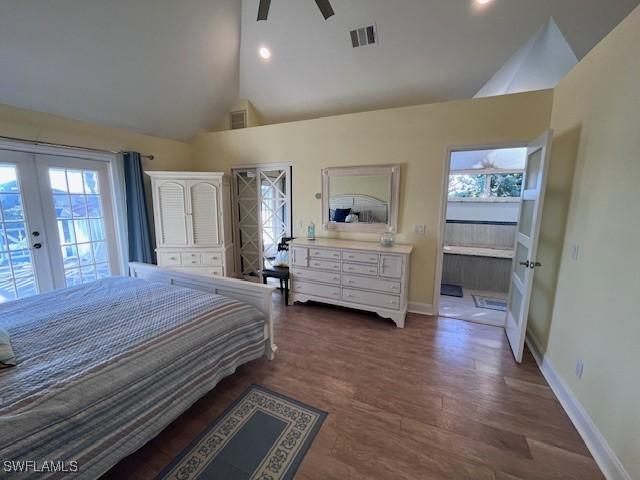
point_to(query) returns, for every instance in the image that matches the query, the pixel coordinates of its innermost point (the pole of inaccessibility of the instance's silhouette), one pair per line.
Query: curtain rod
(72, 147)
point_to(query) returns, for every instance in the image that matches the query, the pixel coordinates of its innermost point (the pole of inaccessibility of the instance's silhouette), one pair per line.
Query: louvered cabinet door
(204, 213)
(171, 206)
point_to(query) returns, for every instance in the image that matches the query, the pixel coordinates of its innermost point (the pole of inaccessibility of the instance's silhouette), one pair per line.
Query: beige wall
(596, 117)
(416, 137)
(30, 125)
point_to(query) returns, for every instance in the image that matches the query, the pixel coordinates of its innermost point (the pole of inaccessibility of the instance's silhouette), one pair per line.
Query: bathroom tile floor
(465, 308)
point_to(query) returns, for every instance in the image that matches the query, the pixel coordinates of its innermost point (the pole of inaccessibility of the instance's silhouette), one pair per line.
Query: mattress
(104, 367)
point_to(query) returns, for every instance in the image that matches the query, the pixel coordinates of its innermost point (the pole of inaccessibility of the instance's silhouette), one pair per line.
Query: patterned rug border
(295, 464)
(478, 302)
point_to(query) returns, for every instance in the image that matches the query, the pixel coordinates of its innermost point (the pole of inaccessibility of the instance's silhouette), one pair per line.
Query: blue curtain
(138, 227)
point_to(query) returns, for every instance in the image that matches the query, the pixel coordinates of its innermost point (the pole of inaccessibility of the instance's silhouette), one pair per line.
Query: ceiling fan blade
(263, 9)
(325, 8)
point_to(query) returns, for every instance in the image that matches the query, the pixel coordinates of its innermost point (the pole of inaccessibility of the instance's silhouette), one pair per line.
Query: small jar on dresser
(361, 275)
(192, 215)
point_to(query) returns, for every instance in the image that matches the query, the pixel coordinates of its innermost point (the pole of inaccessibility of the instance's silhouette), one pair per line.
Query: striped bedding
(104, 367)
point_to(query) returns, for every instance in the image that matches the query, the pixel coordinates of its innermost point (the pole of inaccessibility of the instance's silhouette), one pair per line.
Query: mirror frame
(392, 171)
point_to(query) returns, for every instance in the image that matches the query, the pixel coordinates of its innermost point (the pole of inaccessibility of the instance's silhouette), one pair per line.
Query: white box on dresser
(192, 214)
(361, 275)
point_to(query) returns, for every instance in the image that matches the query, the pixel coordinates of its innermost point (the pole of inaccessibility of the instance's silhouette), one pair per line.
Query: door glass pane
(17, 275)
(526, 217)
(76, 194)
(533, 170)
(274, 211)
(522, 253)
(247, 211)
(515, 304)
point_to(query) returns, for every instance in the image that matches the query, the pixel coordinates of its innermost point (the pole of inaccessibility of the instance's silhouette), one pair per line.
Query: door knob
(37, 246)
(530, 265)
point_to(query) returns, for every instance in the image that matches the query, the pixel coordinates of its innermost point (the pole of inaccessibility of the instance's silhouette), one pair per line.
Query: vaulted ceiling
(174, 68)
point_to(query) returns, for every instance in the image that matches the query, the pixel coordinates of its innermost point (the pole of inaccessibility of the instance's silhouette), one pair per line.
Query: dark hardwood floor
(441, 399)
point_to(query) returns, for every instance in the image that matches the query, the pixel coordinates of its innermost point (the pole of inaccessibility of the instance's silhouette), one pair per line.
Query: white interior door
(526, 245)
(79, 218)
(262, 216)
(247, 222)
(24, 263)
(275, 210)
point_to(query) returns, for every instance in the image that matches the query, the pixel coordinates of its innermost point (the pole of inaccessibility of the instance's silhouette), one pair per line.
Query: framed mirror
(361, 199)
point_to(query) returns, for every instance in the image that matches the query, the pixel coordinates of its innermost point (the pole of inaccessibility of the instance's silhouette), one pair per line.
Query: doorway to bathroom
(480, 223)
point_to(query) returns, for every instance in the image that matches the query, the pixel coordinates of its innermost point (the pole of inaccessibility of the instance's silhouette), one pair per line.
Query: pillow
(7, 358)
(352, 218)
(341, 214)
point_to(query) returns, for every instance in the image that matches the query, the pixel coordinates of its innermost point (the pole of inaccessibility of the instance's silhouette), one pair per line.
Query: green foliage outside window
(485, 185)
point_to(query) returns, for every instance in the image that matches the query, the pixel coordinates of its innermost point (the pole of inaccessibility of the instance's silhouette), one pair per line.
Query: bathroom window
(485, 186)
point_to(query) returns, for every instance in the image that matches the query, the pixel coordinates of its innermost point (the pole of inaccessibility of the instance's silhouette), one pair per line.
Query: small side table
(281, 273)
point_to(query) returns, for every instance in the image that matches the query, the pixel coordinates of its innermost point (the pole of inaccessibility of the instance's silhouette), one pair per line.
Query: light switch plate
(420, 229)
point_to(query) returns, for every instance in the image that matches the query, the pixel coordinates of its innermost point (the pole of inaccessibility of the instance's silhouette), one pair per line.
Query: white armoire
(192, 214)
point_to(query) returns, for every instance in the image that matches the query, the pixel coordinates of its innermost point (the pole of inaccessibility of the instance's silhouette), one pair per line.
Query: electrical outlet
(420, 229)
(575, 251)
(579, 368)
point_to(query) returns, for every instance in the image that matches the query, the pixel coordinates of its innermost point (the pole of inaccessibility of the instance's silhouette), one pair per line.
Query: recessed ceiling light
(264, 53)
(483, 2)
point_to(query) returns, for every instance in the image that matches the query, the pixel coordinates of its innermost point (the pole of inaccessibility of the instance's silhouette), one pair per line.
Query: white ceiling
(163, 67)
(173, 68)
(430, 50)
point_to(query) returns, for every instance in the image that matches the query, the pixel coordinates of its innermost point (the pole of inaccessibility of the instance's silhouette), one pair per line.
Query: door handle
(37, 246)
(530, 265)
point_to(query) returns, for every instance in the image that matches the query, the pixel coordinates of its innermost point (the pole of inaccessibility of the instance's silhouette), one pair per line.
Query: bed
(104, 367)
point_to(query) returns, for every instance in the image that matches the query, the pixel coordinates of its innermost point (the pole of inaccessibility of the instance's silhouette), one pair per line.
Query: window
(485, 185)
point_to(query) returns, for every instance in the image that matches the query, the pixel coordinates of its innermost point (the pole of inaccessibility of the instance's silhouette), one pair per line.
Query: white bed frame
(255, 294)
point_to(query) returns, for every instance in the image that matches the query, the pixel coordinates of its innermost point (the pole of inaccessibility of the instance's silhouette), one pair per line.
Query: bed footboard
(255, 294)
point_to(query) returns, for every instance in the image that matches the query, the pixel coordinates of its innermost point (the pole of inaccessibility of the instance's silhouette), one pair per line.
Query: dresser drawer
(191, 259)
(360, 257)
(391, 302)
(169, 259)
(324, 265)
(322, 277)
(371, 283)
(391, 266)
(360, 269)
(212, 258)
(299, 256)
(317, 290)
(324, 253)
(204, 271)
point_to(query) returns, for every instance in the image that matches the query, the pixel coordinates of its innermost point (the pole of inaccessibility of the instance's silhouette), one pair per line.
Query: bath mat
(490, 303)
(451, 290)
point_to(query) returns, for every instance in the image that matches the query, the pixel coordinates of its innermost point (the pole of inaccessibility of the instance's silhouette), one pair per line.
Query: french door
(263, 215)
(57, 226)
(526, 245)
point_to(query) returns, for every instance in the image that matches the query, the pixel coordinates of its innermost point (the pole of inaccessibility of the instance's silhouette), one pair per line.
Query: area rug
(490, 303)
(451, 290)
(262, 435)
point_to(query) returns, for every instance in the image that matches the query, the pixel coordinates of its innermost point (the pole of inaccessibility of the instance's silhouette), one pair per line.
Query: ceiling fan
(323, 5)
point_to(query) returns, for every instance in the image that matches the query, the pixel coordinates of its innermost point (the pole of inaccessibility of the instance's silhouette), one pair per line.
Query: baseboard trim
(604, 456)
(420, 308)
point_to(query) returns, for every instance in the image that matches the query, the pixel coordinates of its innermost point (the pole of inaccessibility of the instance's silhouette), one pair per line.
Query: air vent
(238, 119)
(363, 36)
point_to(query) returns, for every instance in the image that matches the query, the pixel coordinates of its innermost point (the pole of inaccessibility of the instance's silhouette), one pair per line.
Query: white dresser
(192, 214)
(362, 275)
